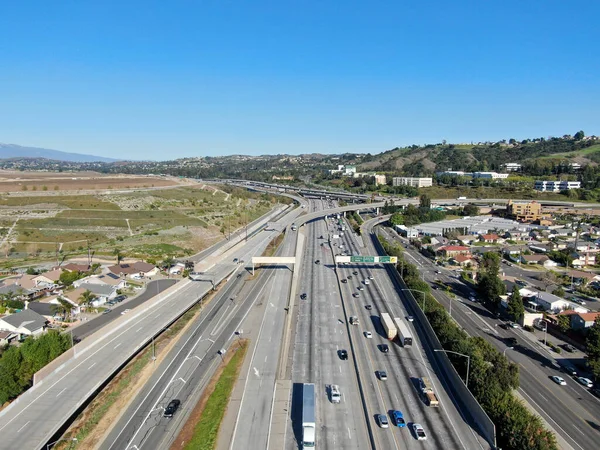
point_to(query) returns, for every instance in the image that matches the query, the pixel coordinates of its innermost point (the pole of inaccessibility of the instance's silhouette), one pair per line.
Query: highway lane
(254, 417)
(320, 333)
(445, 426)
(193, 365)
(32, 420)
(571, 410)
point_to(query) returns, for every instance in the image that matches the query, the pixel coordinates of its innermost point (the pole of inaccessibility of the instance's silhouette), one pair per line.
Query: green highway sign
(374, 259)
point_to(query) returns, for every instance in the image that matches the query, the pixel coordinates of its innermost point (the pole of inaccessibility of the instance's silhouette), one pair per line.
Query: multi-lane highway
(320, 332)
(572, 411)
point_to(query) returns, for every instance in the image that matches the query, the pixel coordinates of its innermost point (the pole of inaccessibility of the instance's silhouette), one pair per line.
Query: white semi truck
(309, 426)
(404, 334)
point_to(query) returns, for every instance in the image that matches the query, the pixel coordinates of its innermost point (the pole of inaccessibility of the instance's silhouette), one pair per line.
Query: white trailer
(309, 425)
(404, 334)
(388, 326)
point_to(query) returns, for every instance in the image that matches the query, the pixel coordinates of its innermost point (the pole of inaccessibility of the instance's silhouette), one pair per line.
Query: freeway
(253, 422)
(445, 425)
(32, 420)
(321, 332)
(572, 411)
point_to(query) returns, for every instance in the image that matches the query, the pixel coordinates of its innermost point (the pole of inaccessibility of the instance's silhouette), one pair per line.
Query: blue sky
(159, 80)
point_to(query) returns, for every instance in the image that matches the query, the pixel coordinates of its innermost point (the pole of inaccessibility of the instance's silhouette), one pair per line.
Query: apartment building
(412, 181)
(556, 186)
(524, 211)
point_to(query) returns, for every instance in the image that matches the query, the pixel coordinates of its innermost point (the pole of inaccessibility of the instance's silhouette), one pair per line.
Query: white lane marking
(58, 395)
(139, 329)
(91, 366)
(117, 345)
(256, 372)
(19, 430)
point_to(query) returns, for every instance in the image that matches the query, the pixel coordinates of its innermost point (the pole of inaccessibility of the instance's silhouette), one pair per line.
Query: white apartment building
(412, 181)
(556, 186)
(380, 179)
(512, 167)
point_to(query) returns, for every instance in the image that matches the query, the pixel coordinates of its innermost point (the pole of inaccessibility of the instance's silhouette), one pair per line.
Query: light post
(507, 348)
(422, 292)
(460, 354)
(48, 446)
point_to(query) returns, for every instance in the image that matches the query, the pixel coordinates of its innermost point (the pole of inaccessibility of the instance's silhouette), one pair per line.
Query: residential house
(50, 277)
(564, 232)
(14, 289)
(490, 238)
(438, 240)
(467, 239)
(24, 323)
(451, 251)
(540, 248)
(72, 296)
(516, 235)
(542, 260)
(544, 301)
(581, 277)
(581, 259)
(407, 232)
(6, 337)
(580, 321)
(72, 267)
(137, 269)
(512, 252)
(43, 309)
(464, 260)
(103, 292)
(109, 279)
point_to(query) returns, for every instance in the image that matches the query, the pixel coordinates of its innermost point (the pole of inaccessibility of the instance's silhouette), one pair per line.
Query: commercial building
(412, 181)
(556, 186)
(470, 225)
(524, 211)
(490, 175)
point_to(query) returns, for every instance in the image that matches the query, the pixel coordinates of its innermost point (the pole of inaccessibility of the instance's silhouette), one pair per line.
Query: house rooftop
(28, 319)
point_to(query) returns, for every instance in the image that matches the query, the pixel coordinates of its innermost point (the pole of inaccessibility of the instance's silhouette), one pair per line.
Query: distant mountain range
(16, 151)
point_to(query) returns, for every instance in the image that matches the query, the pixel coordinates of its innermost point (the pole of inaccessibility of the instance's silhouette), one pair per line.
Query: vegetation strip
(492, 377)
(209, 412)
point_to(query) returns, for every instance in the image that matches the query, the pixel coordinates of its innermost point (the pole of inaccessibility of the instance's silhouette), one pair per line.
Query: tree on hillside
(564, 322)
(471, 210)
(593, 348)
(489, 283)
(118, 254)
(425, 201)
(579, 135)
(515, 305)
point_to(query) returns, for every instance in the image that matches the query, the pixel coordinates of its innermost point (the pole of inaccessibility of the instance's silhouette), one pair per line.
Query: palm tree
(63, 307)
(86, 298)
(118, 254)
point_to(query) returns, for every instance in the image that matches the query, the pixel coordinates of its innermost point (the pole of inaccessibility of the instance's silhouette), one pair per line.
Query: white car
(125, 312)
(559, 380)
(419, 432)
(410, 318)
(513, 325)
(368, 334)
(472, 298)
(367, 281)
(585, 381)
(371, 277)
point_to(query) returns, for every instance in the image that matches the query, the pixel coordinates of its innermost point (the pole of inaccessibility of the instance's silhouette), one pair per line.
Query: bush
(528, 328)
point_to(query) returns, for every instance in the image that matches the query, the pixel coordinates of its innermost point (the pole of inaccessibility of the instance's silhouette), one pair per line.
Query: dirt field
(11, 181)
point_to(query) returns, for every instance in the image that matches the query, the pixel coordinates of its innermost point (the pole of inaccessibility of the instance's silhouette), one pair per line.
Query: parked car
(568, 348)
(106, 311)
(171, 408)
(125, 311)
(119, 298)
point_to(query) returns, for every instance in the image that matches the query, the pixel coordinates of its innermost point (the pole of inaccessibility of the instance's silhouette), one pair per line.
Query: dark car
(505, 326)
(119, 298)
(566, 367)
(344, 280)
(303, 296)
(171, 408)
(369, 307)
(511, 341)
(355, 272)
(349, 277)
(568, 348)
(384, 348)
(343, 354)
(318, 261)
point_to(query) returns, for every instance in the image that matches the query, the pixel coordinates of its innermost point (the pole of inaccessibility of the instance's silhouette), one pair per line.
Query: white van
(335, 393)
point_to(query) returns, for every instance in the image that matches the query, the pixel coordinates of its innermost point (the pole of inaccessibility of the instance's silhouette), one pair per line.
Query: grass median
(202, 429)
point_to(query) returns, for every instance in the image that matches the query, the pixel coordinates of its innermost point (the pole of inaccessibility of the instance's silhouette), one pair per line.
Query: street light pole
(460, 354)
